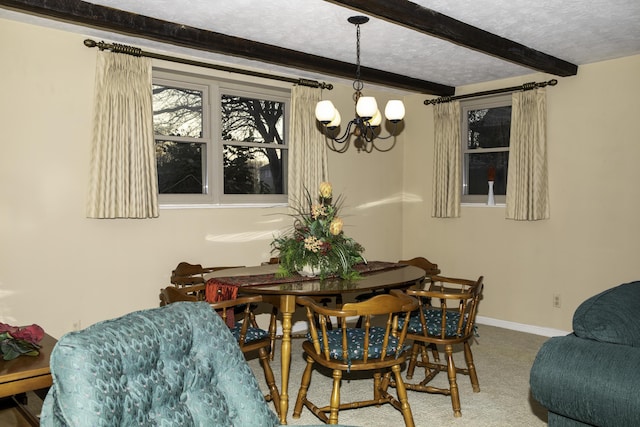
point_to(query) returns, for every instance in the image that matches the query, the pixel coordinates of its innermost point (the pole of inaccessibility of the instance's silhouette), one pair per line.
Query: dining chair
(378, 349)
(186, 274)
(420, 262)
(248, 334)
(430, 269)
(445, 317)
(272, 260)
(423, 263)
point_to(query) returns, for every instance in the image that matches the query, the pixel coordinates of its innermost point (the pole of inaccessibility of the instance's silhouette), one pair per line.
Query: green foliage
(11, 347)
(317, 240)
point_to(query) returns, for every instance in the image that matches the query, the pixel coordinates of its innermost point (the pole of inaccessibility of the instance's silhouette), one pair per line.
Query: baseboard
(521, 327)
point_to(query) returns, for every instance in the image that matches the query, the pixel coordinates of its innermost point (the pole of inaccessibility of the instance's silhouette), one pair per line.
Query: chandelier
(365, 127)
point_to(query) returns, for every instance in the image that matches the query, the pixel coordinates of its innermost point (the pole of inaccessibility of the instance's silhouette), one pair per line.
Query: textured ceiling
(573, 30)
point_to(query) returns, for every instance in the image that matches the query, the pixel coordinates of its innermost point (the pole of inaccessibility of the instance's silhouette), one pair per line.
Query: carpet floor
(502, 357)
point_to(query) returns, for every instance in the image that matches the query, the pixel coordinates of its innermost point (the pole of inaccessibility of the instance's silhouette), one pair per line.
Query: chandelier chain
(357, 83)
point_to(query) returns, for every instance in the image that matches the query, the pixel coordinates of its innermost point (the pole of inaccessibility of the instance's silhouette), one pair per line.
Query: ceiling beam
(88, 14)
(433, 23)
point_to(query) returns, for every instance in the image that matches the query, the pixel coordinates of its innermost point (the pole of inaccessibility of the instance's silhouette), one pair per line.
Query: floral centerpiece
(317, 244)
(15, 341)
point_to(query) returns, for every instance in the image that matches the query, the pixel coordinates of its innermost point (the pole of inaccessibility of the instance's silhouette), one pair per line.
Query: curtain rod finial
(90, 43)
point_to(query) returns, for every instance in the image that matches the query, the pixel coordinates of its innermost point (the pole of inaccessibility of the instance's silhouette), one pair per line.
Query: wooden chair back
(388, 306)
(172, 294)
(430, 268)
(452, 306)
(186, 274)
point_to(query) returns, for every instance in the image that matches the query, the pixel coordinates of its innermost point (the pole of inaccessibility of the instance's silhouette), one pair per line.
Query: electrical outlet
(556, 300)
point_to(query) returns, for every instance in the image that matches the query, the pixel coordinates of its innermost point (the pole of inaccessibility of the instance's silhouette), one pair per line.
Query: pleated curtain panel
(308, 165)
(123, 179)
(527, 179)
(446, 162)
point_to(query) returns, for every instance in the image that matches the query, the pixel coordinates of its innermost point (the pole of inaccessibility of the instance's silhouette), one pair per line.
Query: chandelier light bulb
(336, 120)
(376, 119)
(325, 111)
(366, 107)
(394, 111)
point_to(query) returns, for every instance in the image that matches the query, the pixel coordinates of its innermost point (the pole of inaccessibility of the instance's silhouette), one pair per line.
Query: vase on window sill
(491, 200)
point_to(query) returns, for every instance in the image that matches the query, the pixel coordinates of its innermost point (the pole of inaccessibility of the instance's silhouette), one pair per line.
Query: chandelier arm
(383, 150)
(331, 145)
(345, 136)
(368, 132)
(368, 147)
(392, 134)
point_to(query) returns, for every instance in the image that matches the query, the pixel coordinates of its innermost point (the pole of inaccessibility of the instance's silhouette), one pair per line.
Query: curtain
(446, 161)
(527, 181)
(123, 181)
(308, 165)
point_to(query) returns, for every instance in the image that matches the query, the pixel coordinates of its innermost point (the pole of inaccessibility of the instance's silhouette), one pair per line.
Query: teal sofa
(592, 376)
(176, 365)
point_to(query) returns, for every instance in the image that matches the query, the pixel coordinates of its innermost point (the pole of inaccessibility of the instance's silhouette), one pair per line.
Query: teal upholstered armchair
(176, 365)
(591, 377)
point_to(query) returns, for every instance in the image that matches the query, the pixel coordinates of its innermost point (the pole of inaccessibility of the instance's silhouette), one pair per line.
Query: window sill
(482, 205)
(223, 206)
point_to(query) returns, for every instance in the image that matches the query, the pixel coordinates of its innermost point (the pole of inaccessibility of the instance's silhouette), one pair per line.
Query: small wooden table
(27, 373)
(283, 296)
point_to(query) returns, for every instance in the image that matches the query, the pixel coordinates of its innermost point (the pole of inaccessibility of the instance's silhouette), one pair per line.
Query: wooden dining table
(283, 293)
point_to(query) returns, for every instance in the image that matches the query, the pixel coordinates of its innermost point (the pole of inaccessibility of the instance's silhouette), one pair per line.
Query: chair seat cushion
(433, 320)
(253, 334)
(355, 337)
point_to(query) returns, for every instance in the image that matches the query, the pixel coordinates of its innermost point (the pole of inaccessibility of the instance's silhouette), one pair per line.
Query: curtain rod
(130, 50)
(526, 86)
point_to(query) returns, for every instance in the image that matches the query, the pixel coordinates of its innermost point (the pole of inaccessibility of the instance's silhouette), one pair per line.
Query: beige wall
(592, 240)
(58, 268)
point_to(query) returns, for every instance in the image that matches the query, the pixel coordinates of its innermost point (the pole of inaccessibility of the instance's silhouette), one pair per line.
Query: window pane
(181, 167)
(177, 111)
(479, 164)
(489, 127)
(251, 170)
(252, 120)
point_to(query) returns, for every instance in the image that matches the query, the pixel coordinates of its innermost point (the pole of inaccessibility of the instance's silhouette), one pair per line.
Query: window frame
(260, 93)
(493, 101)
(214, 88)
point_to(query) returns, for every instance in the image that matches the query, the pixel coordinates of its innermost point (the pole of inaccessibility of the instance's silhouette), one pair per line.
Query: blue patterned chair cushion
(433, 319)
(253, 334)
(356, 344)
(176, 365)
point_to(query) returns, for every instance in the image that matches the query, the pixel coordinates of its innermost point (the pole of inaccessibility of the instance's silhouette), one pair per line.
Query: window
(486, 128)
(219, 142)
